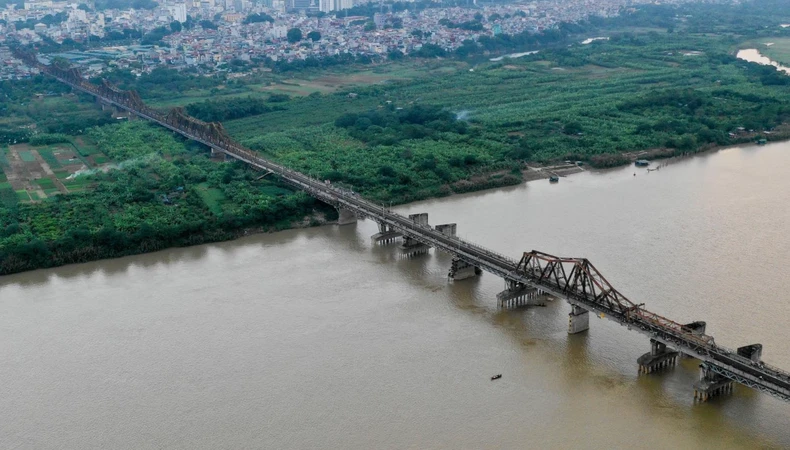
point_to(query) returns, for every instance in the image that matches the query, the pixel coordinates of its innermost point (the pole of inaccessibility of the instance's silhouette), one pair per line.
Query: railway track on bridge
(574, 280)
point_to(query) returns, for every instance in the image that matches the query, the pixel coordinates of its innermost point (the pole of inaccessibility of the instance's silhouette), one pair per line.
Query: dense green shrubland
(163, 192)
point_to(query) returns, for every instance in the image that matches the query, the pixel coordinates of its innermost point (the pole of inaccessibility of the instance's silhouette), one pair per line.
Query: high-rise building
(326, 5)
(298, 4)
(178, 12)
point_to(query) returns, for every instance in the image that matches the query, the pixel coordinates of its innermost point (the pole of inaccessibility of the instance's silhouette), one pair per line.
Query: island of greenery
(80, 184)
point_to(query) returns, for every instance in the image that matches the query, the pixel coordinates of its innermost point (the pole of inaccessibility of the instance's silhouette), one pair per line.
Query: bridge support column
(385, 235)
(753, 352)
(410, 246)
(345, 217)
(447, 229)
(461, 269)
(711, 384)
(516, 294)
(697, 328)
(578, 320)
(218, 155)
(657, 358)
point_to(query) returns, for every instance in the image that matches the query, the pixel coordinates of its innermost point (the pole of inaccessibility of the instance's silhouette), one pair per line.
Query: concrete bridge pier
(753, 352)
(104, 106)
(697, 328)
(460, 270)
(410, 246)
(657, 358)
(114, 110)
(345, 216)
(386, 235)
(218, 155)
(578, 320)
(447, 229)
(517, 294)
(711, 384)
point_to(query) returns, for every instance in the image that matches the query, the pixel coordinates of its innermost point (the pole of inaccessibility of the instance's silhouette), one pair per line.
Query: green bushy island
(671, 86)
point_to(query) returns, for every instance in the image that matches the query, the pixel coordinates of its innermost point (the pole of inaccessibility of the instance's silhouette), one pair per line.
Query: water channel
(316, 339)
(754, 55)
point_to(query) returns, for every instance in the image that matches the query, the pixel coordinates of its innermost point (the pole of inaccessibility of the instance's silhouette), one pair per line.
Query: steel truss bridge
(574, 280)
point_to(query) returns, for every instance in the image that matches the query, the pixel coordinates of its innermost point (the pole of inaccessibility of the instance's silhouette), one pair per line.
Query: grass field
(212, 197)
(45, 183)
(779, 51)
(77, 184)
(26, 156)
(84, 146)
(264, 84)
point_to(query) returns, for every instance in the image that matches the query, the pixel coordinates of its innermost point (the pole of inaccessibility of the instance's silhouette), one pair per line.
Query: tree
(573, 128)
(478, 17)
(208, 25)
(143, 4)
(370, 26)
(175, 26)
(395, 55)
(294, 35)
(314, 36)
(256, 18)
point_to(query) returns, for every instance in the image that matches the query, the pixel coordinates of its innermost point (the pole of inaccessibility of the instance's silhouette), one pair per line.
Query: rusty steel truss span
(575, 280)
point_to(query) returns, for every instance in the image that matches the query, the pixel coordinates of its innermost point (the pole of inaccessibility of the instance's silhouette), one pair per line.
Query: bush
(48, 139)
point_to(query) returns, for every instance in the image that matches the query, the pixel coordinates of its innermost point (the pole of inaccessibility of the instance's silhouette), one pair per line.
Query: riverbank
(104, 246)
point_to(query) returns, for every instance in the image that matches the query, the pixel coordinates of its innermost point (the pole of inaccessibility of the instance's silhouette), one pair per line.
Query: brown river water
(754, 55)
(317, 339)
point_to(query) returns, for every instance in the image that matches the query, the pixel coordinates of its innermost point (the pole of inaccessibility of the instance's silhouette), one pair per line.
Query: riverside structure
(536, 274)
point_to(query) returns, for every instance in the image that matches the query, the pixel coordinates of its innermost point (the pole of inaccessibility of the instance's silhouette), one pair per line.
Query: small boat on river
(496, 377)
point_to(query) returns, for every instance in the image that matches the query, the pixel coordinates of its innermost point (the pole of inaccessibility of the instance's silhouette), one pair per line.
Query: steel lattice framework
(575, 280)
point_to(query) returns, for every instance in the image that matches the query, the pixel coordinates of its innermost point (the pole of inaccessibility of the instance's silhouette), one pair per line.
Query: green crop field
(26, 156)
(45, 183)
(48, 156)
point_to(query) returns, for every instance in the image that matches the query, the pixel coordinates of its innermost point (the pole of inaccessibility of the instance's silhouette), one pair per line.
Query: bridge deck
(583, 286)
